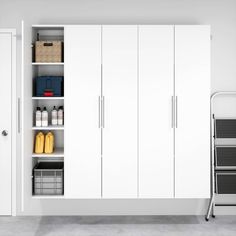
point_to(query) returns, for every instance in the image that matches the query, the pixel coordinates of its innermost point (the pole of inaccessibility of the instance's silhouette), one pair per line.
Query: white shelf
(48, 26)
(50, 127)
(48, 197)
(47, 63)
(59, 152)
(48, 98)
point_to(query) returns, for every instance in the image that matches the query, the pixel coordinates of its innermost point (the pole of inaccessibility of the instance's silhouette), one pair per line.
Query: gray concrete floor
(117, 225)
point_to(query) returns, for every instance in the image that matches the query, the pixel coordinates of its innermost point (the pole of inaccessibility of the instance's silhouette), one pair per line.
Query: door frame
(14, 112)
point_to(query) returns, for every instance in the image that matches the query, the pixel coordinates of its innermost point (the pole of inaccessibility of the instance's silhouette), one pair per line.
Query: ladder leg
(213, 210)
(209, 208)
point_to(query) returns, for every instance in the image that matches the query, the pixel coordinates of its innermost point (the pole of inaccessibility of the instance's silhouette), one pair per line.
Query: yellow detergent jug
(49, 143)
(39, 143)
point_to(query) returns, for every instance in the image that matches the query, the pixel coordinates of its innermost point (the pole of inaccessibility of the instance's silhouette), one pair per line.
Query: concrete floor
(117, 225)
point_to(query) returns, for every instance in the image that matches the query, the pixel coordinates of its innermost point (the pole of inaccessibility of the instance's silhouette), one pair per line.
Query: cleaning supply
(54, 116)
(44, 117)
(60, 116)
(49, 143)
(38, 117)
(39, 143)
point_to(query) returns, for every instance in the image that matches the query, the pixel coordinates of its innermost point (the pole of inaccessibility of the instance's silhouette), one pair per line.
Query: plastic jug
(49, 143)
(39, 143)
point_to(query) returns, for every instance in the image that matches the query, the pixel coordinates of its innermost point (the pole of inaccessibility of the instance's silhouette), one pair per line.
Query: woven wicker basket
(48, 51)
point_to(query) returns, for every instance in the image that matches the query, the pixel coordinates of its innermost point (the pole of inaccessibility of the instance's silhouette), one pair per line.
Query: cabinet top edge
(64, 25)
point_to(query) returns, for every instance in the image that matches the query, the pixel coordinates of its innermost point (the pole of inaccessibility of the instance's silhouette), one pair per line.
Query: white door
(119, 59)
(5, 122)
(156, 124)
(192, 90)
(82, 91)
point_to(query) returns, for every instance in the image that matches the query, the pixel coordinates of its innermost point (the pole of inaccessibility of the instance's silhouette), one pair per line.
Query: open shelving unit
(47, 33)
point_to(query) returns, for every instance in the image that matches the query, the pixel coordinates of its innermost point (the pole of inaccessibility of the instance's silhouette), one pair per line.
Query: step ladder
(223, 155)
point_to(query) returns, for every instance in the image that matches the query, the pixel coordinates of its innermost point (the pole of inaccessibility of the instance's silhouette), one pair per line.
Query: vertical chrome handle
(19, 112)
(103, 112)
(99, 112)
(172, 112)
(176, 111)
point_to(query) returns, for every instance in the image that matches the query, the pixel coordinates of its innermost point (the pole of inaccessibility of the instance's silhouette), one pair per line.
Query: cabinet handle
(99, 112)
(19, 113)
(172, 112)
(103, 112)
(176, 111)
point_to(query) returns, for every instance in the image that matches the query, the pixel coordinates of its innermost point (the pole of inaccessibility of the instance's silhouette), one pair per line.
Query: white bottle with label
(60, 115)
(45, 117)
(38, 117)
(54, 116)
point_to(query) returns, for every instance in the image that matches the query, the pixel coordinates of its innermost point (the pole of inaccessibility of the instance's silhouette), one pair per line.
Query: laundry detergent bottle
(60, 115)
(38, 117)
(54, 116)
(45, 117)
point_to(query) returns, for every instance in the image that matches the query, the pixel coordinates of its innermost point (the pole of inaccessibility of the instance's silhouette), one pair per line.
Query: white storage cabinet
(174, 108)
(136, 111)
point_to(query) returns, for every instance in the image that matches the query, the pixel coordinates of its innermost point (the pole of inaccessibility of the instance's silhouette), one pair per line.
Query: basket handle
(48, 44)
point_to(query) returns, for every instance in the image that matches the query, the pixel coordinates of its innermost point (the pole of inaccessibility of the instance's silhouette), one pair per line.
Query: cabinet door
(156, 144)
(82, 90)
(192, 90)
(6, 70)
(119, 53)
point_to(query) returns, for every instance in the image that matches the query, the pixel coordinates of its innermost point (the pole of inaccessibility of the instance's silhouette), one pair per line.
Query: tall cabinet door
(192, 90)
(6, 61)
(82, 92)
(119, 59)
(156, 127)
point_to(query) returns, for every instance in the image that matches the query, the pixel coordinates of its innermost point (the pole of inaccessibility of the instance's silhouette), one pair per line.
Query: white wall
(220, 14)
